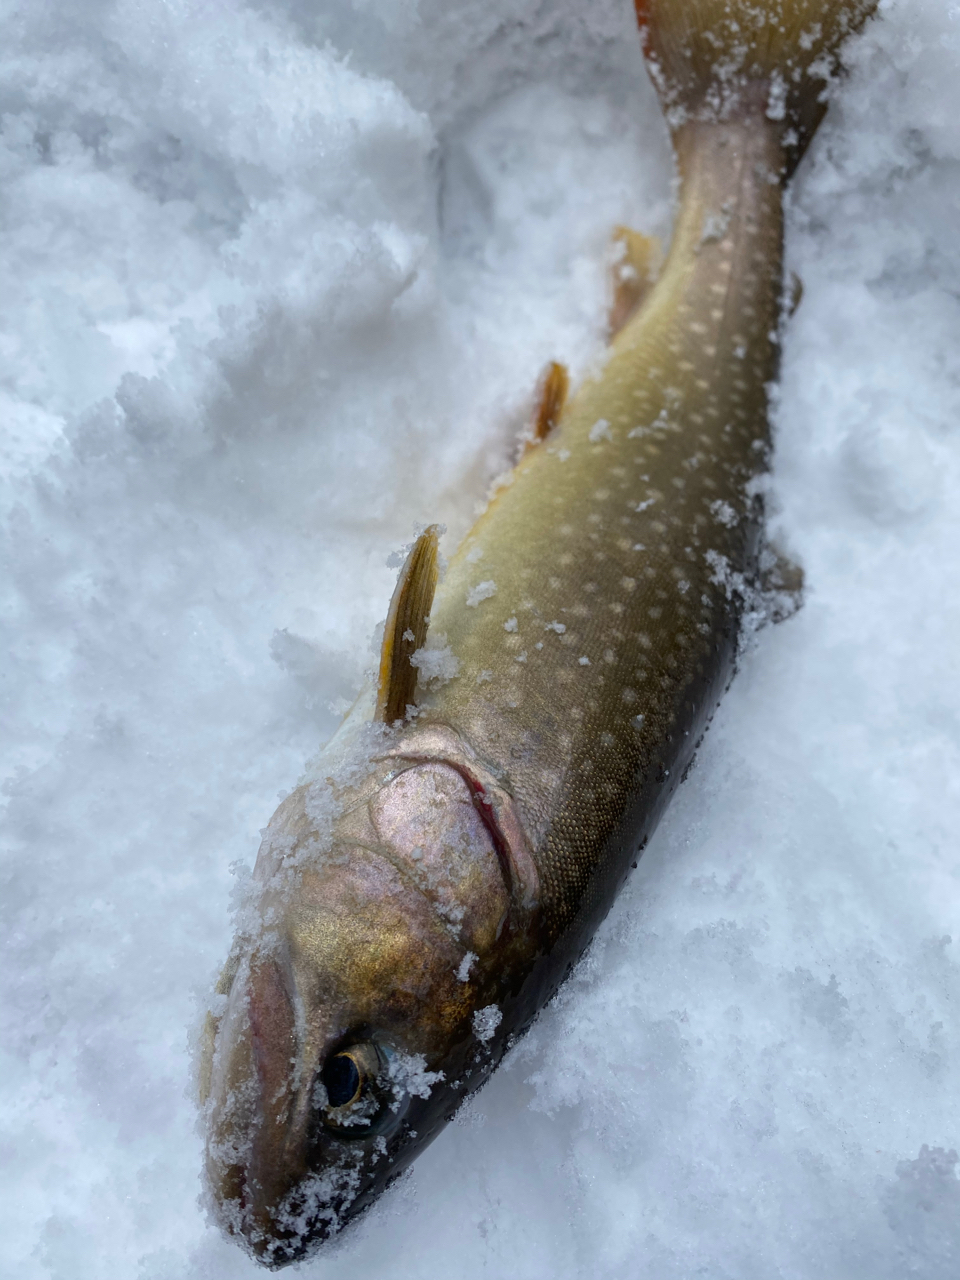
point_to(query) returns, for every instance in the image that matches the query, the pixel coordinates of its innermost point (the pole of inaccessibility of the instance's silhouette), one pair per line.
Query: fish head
(350, 1031)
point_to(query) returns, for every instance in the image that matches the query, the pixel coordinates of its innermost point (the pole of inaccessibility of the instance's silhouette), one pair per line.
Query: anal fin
(781, 582)
(794, 295)
(406, 628)
(634, 272)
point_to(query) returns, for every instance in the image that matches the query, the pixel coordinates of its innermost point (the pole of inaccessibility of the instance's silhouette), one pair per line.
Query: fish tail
(710, 59)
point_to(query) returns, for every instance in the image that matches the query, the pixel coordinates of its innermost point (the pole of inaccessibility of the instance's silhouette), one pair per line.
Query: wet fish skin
(419, 899)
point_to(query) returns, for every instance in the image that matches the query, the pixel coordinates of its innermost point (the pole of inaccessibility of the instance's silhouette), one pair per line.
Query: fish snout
(296, 1116)
(252, 1157)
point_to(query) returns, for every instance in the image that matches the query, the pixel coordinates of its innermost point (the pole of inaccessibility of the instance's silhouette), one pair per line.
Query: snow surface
(279, 280)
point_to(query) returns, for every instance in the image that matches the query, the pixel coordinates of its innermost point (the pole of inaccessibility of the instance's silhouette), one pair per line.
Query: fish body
(419, 898)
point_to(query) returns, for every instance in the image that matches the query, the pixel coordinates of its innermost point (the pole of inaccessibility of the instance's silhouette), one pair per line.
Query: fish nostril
(342, 1080)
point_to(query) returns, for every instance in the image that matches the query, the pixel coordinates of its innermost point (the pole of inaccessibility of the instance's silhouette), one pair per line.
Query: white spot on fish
(409, 636)
(511, 624)
(466, 964)
(558, 627)
(584, 661)
(600, 431)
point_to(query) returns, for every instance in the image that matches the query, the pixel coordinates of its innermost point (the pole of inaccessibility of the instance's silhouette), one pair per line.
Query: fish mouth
(439, 744)
(313, 1210)
(295, 1228)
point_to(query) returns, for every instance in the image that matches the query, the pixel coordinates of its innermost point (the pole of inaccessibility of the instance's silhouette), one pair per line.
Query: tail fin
(707, 57)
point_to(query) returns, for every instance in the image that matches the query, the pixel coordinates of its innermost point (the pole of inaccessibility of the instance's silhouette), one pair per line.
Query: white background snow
(278, 280)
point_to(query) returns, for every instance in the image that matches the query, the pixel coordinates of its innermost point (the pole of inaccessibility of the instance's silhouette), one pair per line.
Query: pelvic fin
(552, 391)
(634, 272)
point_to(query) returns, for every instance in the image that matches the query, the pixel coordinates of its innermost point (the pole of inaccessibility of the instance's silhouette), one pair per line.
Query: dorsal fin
(406, 627)
(633, 274)
(552, 391)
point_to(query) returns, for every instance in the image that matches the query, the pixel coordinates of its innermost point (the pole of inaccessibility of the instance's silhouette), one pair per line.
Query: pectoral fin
(781, 583)
(635, 270)
(406, 628)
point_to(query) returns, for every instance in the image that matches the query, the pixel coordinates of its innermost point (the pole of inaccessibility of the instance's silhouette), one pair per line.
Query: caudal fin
(710, 58)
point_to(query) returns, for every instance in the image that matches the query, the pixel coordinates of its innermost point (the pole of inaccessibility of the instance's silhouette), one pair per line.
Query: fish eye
(357, 1089)
(342, 1080)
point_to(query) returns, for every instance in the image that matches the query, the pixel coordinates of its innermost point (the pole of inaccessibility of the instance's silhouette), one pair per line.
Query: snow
(436, 662)
(482, 591)
(279, 283)
(486, 1021)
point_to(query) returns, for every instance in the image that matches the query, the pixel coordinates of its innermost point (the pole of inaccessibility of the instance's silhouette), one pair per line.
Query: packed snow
(279, 281)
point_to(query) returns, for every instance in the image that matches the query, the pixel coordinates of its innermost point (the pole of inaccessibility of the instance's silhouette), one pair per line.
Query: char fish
(424, 891)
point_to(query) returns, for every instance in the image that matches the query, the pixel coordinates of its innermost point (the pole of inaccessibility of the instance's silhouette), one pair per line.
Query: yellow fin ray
(406, 627)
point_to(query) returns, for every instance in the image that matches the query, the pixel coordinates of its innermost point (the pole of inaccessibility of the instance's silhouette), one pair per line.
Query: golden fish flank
(422, 895)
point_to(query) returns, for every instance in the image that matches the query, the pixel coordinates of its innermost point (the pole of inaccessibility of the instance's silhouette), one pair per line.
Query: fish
(423, 892)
